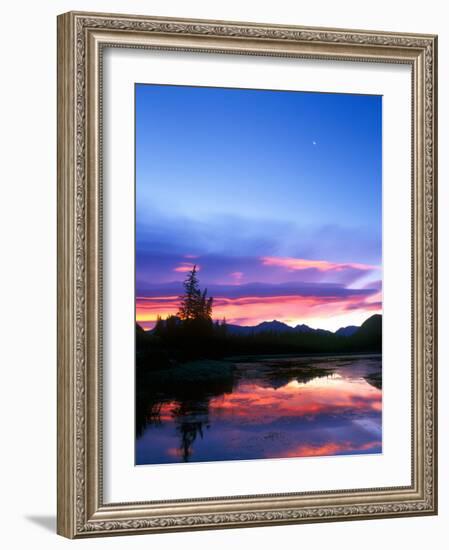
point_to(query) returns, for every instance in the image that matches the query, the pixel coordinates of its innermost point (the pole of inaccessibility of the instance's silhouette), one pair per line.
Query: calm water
(265, 408)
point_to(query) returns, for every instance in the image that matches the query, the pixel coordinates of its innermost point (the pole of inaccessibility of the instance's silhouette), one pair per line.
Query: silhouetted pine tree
(191, 300)
(224, 327)
(195, 305)
(159, 326)
(205, 306)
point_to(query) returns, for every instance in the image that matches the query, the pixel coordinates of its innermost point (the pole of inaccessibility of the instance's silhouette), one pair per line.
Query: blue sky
(228, 177)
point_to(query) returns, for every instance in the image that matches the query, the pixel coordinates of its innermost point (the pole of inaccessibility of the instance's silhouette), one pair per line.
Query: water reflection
(265, 408)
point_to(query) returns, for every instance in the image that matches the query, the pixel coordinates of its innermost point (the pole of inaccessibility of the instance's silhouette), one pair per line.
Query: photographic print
(247, 274)
(258, 274)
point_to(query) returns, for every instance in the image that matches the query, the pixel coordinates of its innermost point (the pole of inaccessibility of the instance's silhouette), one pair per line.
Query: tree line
(194, 318)
(192, 334)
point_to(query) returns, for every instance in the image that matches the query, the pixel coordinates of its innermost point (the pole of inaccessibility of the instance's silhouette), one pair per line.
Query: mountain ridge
(273, 337)
(280, 327)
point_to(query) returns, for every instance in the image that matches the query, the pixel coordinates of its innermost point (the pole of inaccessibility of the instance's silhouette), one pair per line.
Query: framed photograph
(246, 274)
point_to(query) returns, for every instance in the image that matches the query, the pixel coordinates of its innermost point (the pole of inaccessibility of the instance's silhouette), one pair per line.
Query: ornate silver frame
(81, 39)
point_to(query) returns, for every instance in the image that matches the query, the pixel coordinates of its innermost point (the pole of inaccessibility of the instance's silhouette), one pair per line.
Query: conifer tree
(159, 326)
(194, 303)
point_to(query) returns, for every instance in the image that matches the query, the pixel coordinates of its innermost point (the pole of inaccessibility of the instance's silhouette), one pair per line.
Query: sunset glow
(185, 267)
(249, 311)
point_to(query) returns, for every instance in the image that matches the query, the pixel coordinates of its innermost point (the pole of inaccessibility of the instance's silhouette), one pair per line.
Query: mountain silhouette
(370, 330)
(347, 331)
(279, 327)
(174, 342)
(273, 326)
(369, 335)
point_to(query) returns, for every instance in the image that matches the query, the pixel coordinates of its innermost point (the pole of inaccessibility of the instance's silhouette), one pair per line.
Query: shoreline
(342, 355)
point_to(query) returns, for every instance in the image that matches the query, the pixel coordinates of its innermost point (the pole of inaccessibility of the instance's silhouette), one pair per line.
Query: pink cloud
(185, 267)
(251, 310)
(300, 264)
(237, 276)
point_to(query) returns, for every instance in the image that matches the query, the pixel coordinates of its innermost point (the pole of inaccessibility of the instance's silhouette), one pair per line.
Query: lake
(260, 407)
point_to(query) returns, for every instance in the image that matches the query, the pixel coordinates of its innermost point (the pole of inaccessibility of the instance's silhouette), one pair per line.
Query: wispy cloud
(185, 267)
(292, 288)
(301, 264)
(320, 305)
(237, 276)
